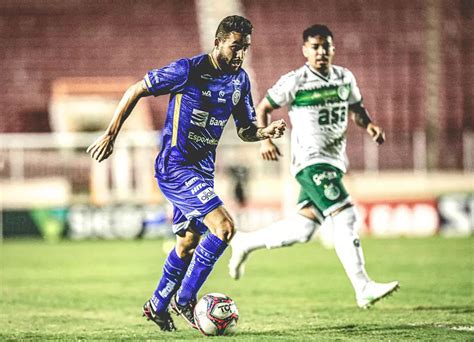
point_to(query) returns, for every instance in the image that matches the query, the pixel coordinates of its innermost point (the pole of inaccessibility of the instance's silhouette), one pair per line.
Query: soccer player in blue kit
(204, 91)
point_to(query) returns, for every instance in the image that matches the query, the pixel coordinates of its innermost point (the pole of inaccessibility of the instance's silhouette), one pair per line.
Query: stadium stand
(391, 68)
(51, 50)
(412, 59)
(45, 40)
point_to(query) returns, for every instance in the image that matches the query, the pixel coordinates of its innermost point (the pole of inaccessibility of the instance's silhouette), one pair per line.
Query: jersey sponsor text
(206, 195)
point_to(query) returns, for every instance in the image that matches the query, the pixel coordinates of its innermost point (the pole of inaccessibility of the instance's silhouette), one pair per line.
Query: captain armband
(361, 116)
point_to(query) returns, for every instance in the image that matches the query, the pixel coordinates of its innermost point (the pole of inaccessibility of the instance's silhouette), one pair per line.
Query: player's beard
(321, 66)
(227, 63)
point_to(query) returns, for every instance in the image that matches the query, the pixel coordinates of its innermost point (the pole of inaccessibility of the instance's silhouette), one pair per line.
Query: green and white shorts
(321, 186)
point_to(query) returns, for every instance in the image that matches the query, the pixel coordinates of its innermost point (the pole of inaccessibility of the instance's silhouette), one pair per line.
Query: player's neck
(213, 59)
(324, 73)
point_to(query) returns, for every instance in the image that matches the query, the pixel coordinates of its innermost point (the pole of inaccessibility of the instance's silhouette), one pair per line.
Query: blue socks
(173, 273)
(204, 258)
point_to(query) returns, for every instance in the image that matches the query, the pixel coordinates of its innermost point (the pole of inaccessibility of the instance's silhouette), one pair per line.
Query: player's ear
(304, 51)
(216, 42)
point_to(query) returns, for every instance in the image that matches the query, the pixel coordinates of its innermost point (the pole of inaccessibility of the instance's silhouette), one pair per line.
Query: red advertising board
(399, 218)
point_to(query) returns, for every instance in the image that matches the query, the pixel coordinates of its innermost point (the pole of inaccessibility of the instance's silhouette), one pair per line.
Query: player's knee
(186, 245)
(349, 215)
(185, 253)
(305, 237)
(306, 228)
(226, 230)
(185, 250)
(345, 219)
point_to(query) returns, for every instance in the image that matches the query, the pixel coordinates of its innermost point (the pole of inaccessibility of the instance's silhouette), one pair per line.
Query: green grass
(94, 291)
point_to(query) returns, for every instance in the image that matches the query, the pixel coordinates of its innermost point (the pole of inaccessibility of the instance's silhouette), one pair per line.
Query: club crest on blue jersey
(202, 99)
(236, 96)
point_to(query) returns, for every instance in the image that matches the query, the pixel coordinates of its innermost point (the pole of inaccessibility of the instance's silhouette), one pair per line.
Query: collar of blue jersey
(214, 67)
(324, 78)
(213, 62)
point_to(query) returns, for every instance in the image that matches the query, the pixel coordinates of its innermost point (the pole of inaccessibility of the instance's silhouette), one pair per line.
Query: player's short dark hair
(233, 23)
(317, 30)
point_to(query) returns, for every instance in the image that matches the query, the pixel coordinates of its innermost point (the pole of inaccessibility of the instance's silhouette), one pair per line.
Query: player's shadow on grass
(362, 330)
(455, 309)
(355, 330)
(304, 330)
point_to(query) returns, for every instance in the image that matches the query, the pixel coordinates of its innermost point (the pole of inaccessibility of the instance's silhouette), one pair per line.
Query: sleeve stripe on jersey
(273, 103)
(177, 108)
(147, 81)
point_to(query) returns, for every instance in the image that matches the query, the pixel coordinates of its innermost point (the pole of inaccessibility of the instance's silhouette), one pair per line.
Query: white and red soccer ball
(216, 314)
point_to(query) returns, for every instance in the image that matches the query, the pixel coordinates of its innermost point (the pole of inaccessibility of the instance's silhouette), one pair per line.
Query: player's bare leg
(220, 223)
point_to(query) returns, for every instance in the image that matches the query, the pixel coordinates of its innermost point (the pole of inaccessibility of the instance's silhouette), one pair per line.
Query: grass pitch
(94, 291)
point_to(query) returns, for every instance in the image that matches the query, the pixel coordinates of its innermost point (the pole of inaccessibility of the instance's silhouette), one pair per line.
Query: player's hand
(269, 151)
(102, 148)
(377, 134)
(275, 129)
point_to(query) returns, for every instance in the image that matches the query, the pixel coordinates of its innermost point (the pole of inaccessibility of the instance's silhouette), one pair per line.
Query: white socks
(298, 228)
(348, 249)
(286, 232)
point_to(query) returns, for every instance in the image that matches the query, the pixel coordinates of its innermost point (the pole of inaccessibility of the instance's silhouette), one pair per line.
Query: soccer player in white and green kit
(320, 98)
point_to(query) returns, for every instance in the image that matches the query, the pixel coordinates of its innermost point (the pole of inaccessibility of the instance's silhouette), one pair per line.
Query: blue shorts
(192, 195)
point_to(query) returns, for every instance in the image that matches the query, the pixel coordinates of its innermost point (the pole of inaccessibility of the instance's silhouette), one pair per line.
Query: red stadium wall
(456, 105)
(44, 40)
(384, 44)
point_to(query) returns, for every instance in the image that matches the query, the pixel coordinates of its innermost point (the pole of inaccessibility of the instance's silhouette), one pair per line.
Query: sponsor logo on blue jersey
(202, 101)
(206, 77)
(191, 181)
(201, 139)
(197, 188)
(199, 117)
(221, 98)
(217, 122)
(206, 195)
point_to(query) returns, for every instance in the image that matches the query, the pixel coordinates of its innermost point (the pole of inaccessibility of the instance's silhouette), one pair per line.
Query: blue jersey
(202, 98)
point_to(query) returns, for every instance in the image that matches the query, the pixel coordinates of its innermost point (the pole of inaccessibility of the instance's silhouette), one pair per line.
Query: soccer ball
(216, 314)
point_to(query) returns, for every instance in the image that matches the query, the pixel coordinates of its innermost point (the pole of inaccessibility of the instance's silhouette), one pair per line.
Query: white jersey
(318, 110)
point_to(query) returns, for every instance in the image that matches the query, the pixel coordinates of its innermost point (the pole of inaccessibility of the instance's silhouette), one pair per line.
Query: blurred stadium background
(65, 65)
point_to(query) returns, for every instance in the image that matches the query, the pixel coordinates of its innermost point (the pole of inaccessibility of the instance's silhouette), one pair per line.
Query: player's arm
(362, 118)
(103, 147)
(254, 133)
(245, 116)
(268, 150)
